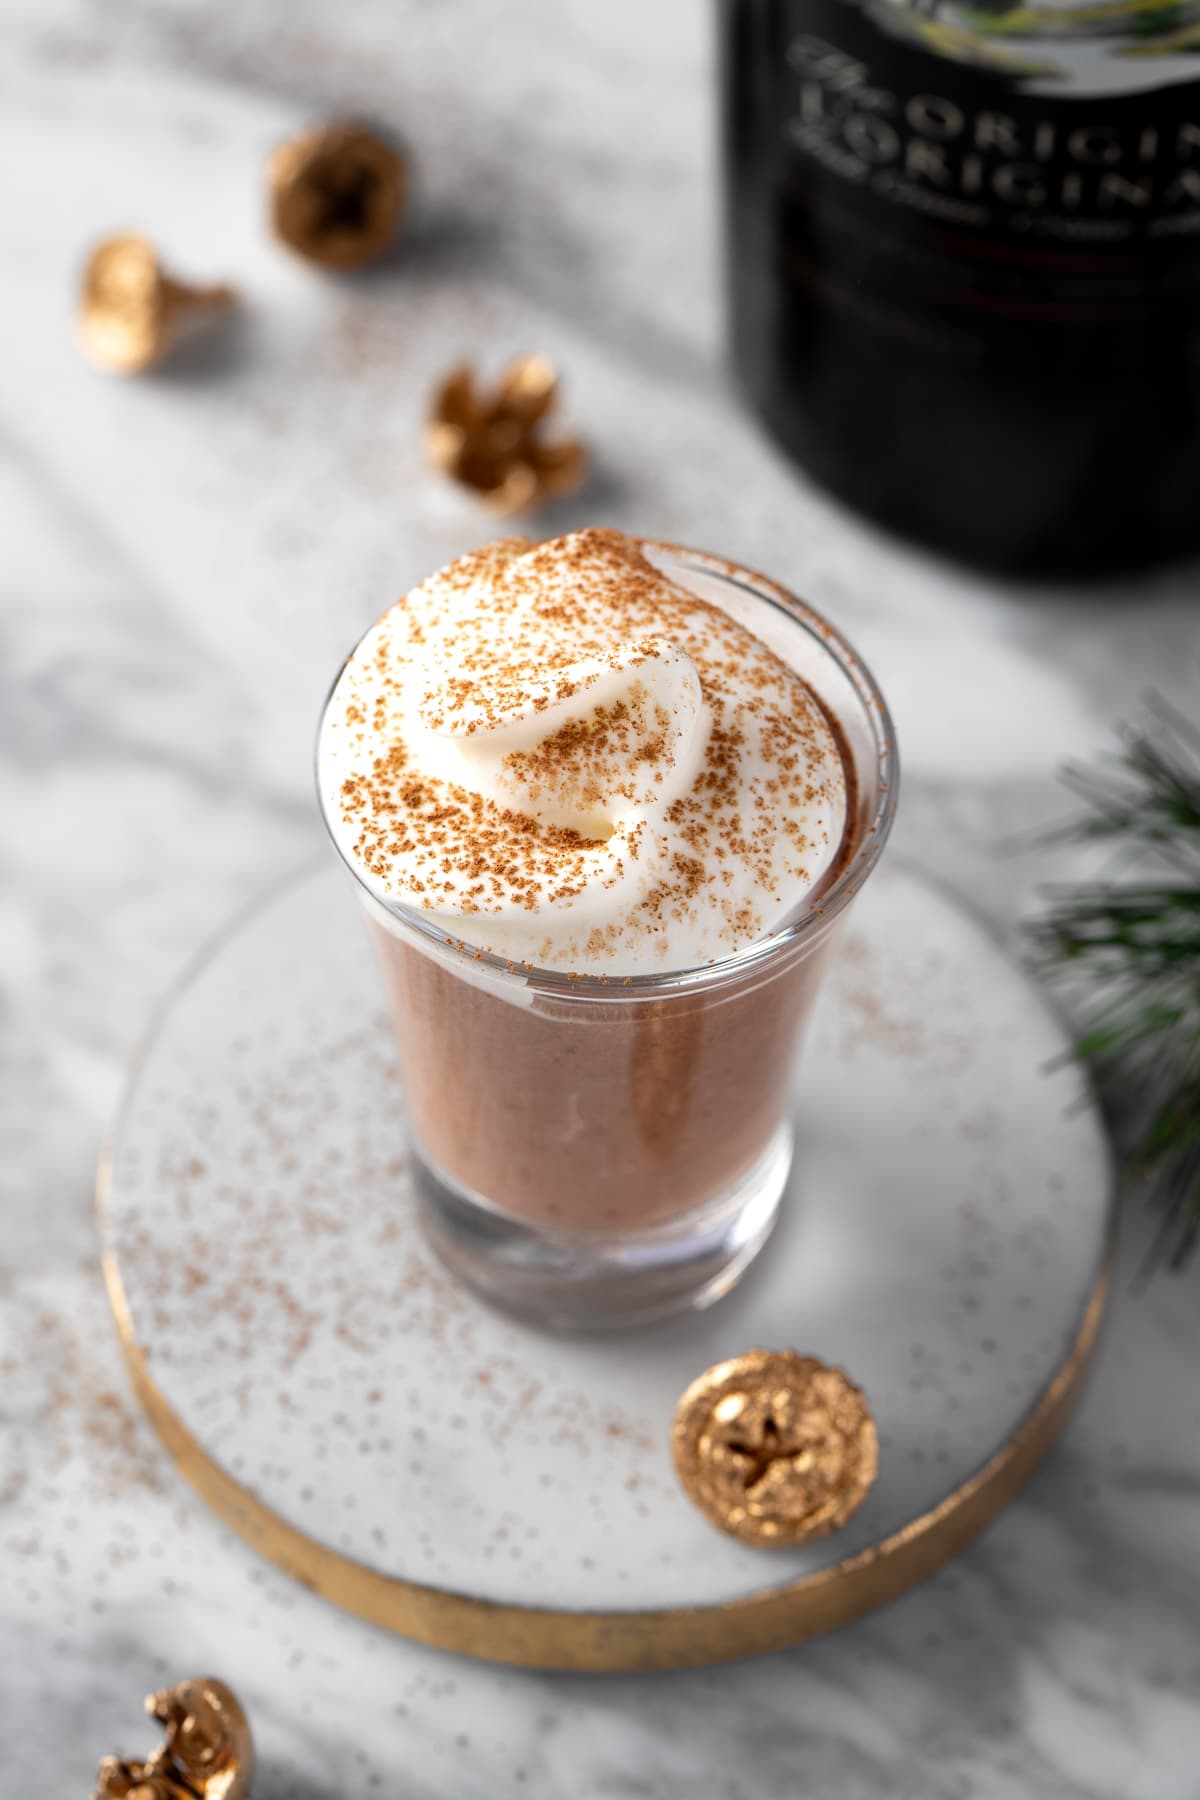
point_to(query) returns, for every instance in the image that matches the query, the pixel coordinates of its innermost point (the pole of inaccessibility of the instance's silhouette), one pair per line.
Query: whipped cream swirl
(568, 758)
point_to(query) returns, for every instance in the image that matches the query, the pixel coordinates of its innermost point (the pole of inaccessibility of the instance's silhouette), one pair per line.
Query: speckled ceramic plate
(432, 1465)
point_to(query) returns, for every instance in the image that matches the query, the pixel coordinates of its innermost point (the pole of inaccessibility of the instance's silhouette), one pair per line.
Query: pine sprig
(1125, 951)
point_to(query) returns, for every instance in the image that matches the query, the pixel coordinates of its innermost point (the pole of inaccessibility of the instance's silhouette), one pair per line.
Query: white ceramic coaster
(450, 1473)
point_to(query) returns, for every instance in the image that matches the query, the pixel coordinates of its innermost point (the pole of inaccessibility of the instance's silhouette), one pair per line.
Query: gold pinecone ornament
(494, 443)
(208, 1753)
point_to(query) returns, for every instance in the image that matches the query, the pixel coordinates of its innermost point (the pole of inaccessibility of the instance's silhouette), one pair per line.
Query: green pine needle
(1125, 952)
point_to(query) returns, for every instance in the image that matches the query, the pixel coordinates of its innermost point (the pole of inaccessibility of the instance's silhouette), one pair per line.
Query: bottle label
(1047, 156)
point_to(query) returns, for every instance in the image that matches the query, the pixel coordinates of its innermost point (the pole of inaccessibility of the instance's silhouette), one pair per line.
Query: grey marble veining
(182, 562)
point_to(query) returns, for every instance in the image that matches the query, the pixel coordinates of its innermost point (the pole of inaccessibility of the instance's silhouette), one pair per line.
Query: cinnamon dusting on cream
(579, 763)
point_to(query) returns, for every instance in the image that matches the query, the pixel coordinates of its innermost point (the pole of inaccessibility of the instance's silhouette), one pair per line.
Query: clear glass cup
(595, 1151)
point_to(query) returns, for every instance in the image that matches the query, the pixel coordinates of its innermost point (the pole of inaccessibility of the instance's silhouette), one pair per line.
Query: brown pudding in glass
(602, 827)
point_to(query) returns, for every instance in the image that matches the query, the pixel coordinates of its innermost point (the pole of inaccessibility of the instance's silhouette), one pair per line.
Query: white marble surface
(181, 563)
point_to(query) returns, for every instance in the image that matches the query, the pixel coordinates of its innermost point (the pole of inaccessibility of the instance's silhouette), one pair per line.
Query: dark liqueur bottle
(964, 265)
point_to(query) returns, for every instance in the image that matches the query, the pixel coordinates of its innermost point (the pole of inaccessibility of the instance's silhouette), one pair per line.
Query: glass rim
(805, 923)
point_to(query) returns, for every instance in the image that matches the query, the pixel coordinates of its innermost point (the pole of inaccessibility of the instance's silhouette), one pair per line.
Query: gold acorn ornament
(494, 444)
(208, 1753)
(775, 1448)
(132, 312)
(337, 194)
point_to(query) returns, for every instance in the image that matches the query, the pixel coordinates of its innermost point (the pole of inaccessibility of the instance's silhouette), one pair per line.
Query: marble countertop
(183, 560)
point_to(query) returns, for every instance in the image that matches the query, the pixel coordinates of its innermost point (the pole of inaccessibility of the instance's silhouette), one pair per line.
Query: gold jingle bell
(336, 194)
(775, 1448)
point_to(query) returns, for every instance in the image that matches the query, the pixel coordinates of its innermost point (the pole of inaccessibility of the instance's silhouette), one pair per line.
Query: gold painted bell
(131, 312)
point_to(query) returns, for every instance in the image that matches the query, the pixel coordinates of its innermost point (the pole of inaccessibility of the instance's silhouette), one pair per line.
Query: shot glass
(595, 1151)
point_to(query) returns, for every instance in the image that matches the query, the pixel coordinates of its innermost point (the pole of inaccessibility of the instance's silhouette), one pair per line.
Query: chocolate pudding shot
(605, 801)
